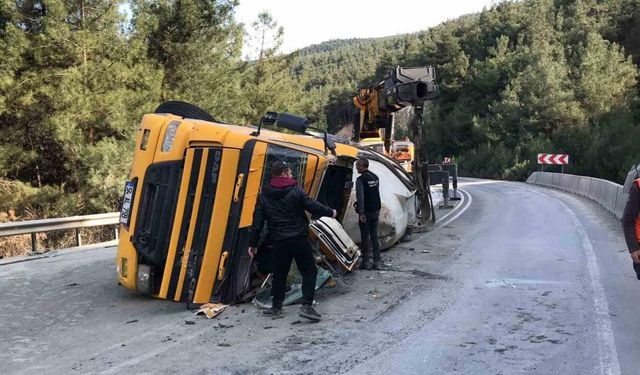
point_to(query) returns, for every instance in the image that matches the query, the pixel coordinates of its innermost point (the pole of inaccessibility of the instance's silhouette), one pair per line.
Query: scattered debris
(189, 322)
(428, 275)
(166, 338)
(211, 309)
(330, 283)
(293, 295)
(268, 327)
(296, 322)
(73, 284)
(374, 293)
(132, 321)
(223, 344)
(537, 339)
(425, 251)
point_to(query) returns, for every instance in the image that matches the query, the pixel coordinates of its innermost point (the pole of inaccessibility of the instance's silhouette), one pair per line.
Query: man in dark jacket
(282, 204)
(368, 208)
(631, 224)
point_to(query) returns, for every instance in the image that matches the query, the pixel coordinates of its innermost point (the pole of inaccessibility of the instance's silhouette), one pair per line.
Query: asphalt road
(517, 279)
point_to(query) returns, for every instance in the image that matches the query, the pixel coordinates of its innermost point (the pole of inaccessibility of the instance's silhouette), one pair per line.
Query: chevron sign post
(556, 159)
(553, 159)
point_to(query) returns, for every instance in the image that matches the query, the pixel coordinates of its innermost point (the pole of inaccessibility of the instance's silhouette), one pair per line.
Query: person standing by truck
(368, 208)
(282, 204)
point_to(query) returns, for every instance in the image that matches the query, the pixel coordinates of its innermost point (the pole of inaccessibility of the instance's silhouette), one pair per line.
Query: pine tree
(76, 90)
(195, 46)
(267, 84)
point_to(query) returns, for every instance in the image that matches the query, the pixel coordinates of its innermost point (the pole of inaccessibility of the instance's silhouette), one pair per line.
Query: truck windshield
(296, 160)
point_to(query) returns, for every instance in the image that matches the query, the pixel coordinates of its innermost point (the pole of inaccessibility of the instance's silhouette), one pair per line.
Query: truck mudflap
(335, 243)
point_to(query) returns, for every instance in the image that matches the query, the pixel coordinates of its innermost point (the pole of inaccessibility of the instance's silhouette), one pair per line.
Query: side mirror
(269, 118)
(330, 143)
(296, 124)
(293, 123)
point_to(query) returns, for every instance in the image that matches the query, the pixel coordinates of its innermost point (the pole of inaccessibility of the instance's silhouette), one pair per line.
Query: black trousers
(369, 232)
(284, 252)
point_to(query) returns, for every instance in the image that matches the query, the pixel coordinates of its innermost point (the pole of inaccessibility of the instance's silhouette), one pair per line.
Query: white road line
(608, 357)
(471, 183)
(462, 199)
(457, 212)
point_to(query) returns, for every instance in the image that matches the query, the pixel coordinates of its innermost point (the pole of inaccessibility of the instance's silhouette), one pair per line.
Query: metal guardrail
(33, 227)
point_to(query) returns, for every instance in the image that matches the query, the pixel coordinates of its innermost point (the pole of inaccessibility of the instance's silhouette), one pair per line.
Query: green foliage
(517, 79)
(486, 161)
(266, 82)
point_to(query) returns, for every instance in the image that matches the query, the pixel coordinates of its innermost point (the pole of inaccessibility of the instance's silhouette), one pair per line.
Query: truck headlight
(143, 281)
(170, 136)
(122, 268)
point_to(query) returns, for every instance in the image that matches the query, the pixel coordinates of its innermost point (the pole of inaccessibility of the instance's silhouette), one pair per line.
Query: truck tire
(185, 110)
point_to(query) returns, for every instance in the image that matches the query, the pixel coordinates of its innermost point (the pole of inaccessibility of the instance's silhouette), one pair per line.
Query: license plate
(125, 211)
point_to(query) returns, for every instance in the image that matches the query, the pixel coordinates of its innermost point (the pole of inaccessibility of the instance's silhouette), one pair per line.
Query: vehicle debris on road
(211, 310)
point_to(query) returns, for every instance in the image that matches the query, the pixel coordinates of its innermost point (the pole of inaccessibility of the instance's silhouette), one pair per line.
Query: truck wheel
(185, 110)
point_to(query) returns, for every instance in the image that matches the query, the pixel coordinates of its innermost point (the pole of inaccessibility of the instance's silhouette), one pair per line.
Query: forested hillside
(517, 79)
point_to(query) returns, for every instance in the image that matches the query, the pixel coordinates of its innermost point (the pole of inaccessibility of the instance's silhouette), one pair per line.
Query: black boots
(273, 311)
(308, 312)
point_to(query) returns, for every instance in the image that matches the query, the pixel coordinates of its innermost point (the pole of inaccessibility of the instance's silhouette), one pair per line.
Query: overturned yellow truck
(189, 199)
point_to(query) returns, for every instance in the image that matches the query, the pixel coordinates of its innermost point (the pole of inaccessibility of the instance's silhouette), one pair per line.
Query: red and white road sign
(558, 159)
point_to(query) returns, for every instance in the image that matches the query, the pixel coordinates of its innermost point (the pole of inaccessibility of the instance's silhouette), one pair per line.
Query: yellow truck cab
(190, 196)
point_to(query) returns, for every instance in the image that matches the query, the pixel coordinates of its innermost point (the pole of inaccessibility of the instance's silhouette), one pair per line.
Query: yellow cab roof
(236, 136)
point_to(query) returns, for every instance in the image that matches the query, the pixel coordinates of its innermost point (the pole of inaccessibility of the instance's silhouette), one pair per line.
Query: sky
(308, 22)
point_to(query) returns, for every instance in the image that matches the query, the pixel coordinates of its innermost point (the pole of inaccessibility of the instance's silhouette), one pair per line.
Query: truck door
(254, 172)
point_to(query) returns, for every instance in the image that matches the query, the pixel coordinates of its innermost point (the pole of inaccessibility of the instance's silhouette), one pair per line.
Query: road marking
(462, 200)
(471, 183)
(513, 283)
(457, 212)
(608, 357)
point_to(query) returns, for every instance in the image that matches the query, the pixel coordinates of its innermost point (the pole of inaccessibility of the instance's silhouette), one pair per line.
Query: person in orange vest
(631, 224)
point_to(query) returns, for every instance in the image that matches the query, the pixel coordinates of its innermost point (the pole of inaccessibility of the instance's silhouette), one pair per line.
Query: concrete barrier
(608, 194)
(556, 180)
(544, 179)
(571, 183)
(584, 185)
(621, 202)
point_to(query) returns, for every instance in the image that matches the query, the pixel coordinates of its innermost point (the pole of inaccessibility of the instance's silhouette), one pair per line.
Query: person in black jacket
(368, 208)
(631, 225)
(282, 204)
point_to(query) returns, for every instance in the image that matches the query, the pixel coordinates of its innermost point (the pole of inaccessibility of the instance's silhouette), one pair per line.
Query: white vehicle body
(398, 207)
